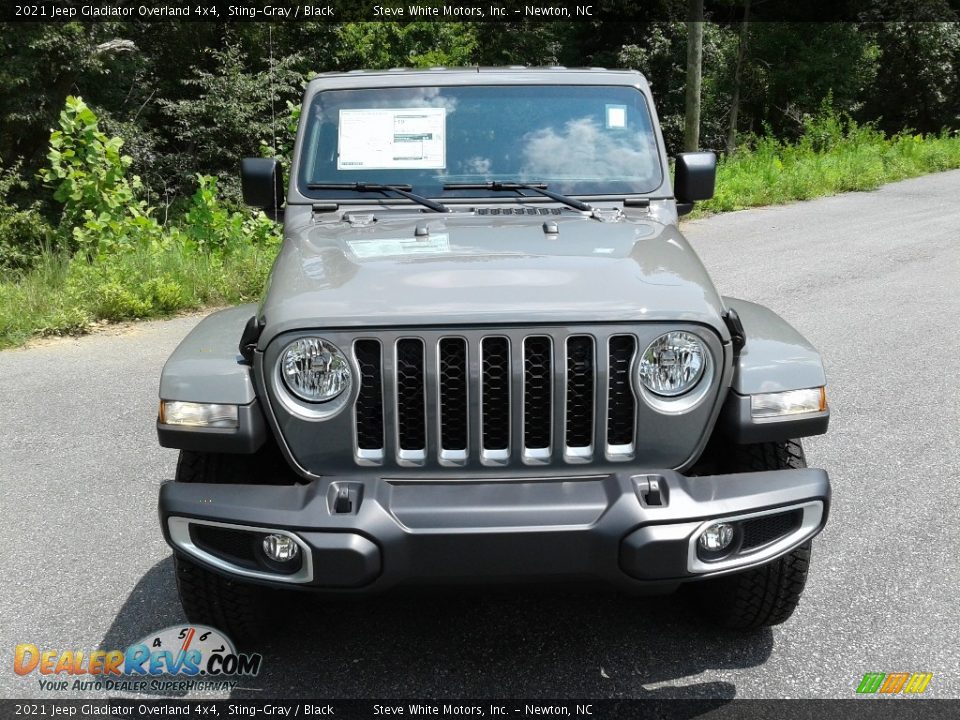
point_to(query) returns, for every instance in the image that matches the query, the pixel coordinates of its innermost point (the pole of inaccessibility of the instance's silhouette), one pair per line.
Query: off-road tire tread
(764, 596)
(210, 599)
(194, 467)
(767, 456)
(767, 595)
(201, 467)
(264, 467)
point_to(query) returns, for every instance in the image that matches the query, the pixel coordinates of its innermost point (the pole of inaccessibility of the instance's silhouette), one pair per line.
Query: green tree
(233, 108)
(378, 45)
(791, 67)
(917, 83)
(24, 233)
(523, 43)
(88, 173)
(660, 54)
(42, 64)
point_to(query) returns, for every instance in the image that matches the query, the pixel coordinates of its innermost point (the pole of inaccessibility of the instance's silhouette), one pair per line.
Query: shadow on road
(523, 644)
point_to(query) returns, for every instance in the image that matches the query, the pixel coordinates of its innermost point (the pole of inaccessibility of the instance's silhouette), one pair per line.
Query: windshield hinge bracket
(250, 338)
(738, 336)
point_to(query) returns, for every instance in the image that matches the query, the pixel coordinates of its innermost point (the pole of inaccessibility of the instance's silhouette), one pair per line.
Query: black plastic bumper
(375, 533)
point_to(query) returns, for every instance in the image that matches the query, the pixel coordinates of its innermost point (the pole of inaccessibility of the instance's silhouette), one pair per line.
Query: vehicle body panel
(206, 366)
(776, 357)
(592, 528)
(487, 271)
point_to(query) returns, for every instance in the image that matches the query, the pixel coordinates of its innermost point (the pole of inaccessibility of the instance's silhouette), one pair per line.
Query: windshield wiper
(402, 190)
(517, 187)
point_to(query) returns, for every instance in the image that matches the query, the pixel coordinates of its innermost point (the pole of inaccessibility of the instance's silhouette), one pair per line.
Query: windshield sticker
(434, 244)
(392, 139)
(616, 116)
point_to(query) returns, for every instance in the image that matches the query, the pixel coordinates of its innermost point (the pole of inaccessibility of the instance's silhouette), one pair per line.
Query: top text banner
(504, 11)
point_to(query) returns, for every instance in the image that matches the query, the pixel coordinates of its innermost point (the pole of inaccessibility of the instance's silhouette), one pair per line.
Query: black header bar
(505, 11)
(872, 708)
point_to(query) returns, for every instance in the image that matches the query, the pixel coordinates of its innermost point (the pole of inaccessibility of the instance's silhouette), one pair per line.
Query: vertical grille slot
(495, 394)
(537, 394)
(411, 418)
(580, 392)
(369, 406)
(453, 394)
(621, 405)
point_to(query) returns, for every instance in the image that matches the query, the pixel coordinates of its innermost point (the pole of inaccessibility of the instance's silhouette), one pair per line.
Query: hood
(467, 269)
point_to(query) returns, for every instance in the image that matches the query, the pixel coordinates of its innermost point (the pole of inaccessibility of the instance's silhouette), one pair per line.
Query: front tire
(207, 598)
(769, 594)
(235, 607)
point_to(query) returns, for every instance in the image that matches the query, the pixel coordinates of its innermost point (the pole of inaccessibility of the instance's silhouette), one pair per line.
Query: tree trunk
(735, 99)
(691, 130)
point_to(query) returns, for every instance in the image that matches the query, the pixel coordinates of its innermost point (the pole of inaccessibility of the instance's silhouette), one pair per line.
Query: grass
(63, 296)
(768, 172)
(60, 295)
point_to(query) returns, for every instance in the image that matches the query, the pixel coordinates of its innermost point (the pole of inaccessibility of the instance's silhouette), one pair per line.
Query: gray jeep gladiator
(487, 354)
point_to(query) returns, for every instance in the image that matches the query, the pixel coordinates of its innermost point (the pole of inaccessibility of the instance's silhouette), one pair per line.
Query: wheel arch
(775, 358)
(207, 367)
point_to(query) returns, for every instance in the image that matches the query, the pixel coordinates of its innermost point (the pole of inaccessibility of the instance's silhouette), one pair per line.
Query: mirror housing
(694, 178)
(262, 182)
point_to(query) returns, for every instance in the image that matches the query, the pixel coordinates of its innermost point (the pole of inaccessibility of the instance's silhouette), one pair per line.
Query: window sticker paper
(434, 244)
(392, 139)
(616, 116)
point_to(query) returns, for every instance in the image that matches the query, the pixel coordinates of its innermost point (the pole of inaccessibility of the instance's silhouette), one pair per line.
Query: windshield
(579, 140)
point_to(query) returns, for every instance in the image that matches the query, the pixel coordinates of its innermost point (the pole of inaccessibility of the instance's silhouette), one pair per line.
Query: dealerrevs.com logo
(188, 652)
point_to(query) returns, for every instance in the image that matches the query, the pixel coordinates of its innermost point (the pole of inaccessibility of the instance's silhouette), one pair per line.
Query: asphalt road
(871, 278)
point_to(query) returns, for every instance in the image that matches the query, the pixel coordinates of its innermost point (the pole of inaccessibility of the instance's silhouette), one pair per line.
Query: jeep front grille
(495, 398)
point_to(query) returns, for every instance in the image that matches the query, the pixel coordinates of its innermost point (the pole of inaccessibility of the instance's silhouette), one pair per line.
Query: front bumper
(371, 534)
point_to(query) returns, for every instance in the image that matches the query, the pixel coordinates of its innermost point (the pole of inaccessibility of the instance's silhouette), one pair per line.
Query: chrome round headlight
(672, 364)
(314, 369)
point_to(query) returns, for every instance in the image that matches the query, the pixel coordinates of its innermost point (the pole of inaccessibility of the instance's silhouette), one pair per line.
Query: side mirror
(262, 183)
(695, 176)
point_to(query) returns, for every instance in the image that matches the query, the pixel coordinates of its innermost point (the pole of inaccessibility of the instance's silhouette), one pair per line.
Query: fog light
(717, 537)
(280, 548)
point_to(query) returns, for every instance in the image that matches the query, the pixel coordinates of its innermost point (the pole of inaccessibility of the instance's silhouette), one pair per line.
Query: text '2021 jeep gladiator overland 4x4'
(487, 354)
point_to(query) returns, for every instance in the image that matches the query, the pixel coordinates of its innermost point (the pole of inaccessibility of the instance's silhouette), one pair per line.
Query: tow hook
(651, 490)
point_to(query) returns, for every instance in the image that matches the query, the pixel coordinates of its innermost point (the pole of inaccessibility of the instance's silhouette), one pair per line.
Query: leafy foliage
(230, 111)
(24, 233)
(93, 227)
(209, 226)
(834, 154)
(89, 176)
(379, 45)
(917, 83)
(197, 97)
(281, 146)
(126, 265)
